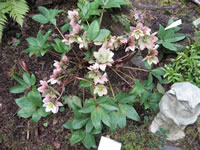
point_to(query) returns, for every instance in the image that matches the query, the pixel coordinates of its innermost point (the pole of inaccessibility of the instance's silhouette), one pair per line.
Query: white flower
(52, 107)
(100, 90)
(103, 56)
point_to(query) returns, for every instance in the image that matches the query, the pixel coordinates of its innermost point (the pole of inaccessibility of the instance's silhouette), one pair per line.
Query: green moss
(123, 19)
(139, 137)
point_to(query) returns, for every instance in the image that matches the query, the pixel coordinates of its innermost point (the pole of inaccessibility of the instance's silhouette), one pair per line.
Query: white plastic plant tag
(109, 144)
(174, 24)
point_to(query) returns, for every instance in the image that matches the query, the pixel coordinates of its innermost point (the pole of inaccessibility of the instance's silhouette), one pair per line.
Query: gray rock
(138, 61)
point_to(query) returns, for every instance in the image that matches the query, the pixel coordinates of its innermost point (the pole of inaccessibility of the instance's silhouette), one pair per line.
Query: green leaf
(69, 100)
(26, 112)
(125, 98)
(77, 136)
(108, 107)
(79, 123)
(106, 118)
(36, 117)
(68, 125)
(121, 120)
(42, 112)
(96, 118)
(87, 109)
(44, 11)
(85, 84)
(35, 97)
(89, 126)
(65, 28)
(129, 111)
(158, 71)
(27, 78)
(93, 30)
(18, 80)
(18, 89)
(103, 34)
(170, 46)
(114, 120)
(40, 18)
(160, 88)
(23, 102)
(114, 4)
(33, 79)
(138, 88)
(89, 141)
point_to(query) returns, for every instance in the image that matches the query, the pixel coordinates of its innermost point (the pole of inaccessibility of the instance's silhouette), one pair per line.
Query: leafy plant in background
(168, 36)
(146, 93)
(16, 9)
(31, 103)
(185, 67)
(97, 46)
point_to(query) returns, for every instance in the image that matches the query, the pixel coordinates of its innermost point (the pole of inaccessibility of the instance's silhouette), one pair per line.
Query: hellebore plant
(90, 65)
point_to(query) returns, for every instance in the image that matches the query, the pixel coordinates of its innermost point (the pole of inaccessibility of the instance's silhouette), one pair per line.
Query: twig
(120, 76)
(127, 67)
(126, 75)
(111, 89)
(60, 32)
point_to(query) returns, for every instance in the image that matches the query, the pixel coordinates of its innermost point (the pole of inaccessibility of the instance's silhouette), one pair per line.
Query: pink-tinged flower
(152, 56)
(76, 28)
(146, 41)
(100, 90)
(124, 40)
(64, 60)
(151, 59)
(102, 79)
(73, 15)
(94, 67)
(57, 64)
(49, 97)
(53, 107)
(131, 45)
(137, 31)
(44, 86)
(94, 74)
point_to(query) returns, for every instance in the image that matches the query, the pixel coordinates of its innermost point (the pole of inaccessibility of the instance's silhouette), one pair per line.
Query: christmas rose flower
(100, 90)
(53, 107)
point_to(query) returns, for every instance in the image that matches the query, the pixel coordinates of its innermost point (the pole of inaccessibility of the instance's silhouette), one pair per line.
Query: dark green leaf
(68, 125)
(79, 123)
(36, 117)
(89, 141)
(77, 136)
(89, 126)
(87, 109)
(27, 78)
(23, 102)
(121, 120)
(69, 100)
(40, 18)
(96, 118)
(26, 112)
(35, 97)
(93, 30)
(129, 111)
(103, 34)
(19, 88)
(106, 118)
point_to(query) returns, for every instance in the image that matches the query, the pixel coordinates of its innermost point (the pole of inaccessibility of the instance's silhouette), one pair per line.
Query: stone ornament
(179, 107)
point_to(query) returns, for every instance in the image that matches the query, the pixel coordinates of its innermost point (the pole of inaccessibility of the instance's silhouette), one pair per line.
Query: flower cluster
(51, 96)
(74, 35)
(141, 38)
